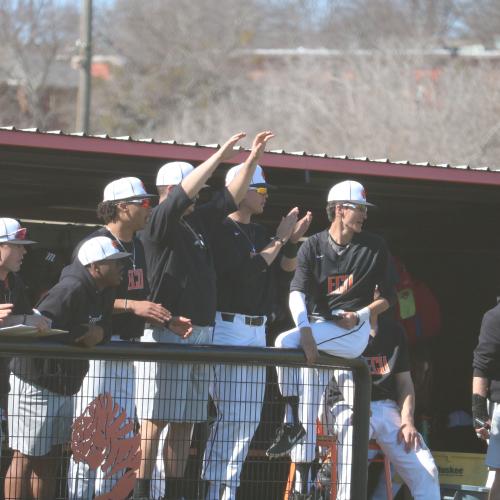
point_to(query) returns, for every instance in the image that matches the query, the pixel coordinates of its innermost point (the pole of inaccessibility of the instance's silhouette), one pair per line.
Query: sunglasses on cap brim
(143, 202)
(259, 189)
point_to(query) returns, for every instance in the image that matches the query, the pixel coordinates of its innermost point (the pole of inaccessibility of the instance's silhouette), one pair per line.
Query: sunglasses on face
(362, 208)
(260, 190)
(144, 203)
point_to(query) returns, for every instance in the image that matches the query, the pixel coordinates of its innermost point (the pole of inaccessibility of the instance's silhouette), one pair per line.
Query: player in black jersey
(178, 241)
(125, 209)
(391, 418)
(334, 284)
(249, 265)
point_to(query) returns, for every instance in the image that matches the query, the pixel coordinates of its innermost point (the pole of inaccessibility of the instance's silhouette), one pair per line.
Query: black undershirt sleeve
(303, 279)
(487, 352)
(161, 226)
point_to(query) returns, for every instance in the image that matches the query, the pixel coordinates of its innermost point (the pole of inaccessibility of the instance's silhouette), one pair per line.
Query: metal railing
(221, 355)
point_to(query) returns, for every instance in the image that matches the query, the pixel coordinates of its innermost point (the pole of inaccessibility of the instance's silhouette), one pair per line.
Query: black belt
(249, 320)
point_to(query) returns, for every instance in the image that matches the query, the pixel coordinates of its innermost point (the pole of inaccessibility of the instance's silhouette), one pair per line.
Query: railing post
(361, 426)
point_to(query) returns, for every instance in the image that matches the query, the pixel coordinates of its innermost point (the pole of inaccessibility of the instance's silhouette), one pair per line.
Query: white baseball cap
(173, 173)
(11, 232)
(100, 248)
(258, 178)
(124, 189)
(349, 192)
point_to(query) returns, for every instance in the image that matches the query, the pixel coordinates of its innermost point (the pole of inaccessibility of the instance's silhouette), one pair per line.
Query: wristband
(479, 410)
(363, 314)
(290, 250)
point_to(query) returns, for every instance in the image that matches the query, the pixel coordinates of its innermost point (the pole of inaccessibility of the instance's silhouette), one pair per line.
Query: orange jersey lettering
(339, 284)
(378, 365)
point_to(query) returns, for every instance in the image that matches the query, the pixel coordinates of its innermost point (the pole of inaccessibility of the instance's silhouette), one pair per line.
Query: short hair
(330, 210)
(107, 211)
(162, 190)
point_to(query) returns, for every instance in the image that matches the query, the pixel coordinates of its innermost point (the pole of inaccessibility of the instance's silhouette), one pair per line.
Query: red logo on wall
(103, 436)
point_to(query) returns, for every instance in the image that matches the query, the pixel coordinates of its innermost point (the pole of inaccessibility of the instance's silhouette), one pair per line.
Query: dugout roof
(442, 220)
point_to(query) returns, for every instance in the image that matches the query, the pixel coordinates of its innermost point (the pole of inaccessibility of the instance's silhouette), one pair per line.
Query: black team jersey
(347, 281)
(12, 291)
(245, 283)
(134, 285)
(387, 355)
(179, 254)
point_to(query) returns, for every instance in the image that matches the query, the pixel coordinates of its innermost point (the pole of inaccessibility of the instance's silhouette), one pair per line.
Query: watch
(278, 239)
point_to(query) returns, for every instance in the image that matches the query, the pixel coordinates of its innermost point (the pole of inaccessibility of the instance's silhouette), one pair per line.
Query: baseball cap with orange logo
(11, 232)
(348, 192)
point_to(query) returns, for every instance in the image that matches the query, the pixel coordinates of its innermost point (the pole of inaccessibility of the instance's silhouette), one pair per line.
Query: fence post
(361, 425)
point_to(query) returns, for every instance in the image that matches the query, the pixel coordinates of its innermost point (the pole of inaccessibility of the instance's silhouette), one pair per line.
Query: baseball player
(391, 420)
(337, 272)
(486, 385)
(178, 243)
(245, 260)
(42, 396)
(14, 304)
(124, 210)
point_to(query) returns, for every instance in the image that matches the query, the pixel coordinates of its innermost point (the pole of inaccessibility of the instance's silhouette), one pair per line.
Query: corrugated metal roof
(132, 140)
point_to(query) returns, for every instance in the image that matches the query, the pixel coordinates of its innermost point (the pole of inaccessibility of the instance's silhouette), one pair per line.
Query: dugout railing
(261, 476)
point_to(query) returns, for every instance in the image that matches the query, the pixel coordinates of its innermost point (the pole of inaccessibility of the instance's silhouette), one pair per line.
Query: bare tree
(34, 35)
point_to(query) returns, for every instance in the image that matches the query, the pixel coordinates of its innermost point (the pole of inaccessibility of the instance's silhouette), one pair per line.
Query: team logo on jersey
(378, 365)
(115, 244)
(338, 284)
(94, 319)
(135, 279)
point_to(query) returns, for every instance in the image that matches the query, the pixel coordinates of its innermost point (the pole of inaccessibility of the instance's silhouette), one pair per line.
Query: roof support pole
(85, 59)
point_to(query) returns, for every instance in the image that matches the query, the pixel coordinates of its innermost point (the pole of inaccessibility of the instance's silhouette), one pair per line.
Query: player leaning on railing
(41, 399)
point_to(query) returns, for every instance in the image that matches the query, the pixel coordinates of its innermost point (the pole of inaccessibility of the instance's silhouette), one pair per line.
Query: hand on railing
(308, 345)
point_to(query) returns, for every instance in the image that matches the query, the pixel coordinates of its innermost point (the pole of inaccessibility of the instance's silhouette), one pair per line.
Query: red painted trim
(275, 160)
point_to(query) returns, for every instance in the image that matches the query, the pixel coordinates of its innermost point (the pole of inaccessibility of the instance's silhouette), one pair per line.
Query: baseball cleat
(287, 437)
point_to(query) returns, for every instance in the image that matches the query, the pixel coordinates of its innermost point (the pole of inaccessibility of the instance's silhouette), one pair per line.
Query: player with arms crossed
(337, 271)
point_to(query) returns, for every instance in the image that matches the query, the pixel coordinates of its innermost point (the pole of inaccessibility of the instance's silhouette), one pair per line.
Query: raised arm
(239, 185)
(193, 183)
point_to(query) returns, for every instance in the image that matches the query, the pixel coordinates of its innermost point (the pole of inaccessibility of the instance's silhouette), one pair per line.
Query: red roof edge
(190, 153)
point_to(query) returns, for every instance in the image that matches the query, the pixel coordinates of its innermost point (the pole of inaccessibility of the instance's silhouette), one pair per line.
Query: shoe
(312, 495)
(287, 437)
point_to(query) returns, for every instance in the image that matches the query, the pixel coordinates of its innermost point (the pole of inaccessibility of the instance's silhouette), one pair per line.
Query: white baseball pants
(416, 468)
(238, 394)
(309, 383)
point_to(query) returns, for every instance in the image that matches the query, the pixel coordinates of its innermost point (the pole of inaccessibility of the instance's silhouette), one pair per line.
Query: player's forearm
(193, 183)
(270, 252)
(378, 306)
(239, 185)
(480, 386)
(406, 401)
